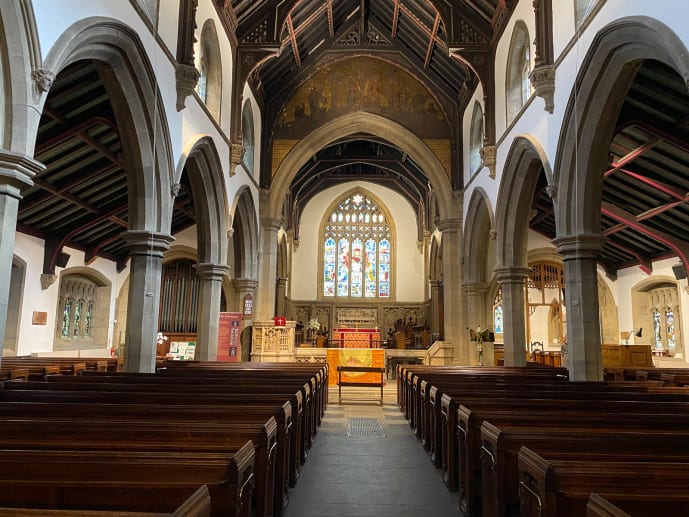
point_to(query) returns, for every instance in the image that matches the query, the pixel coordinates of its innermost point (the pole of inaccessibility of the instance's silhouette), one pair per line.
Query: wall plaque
(39, 318)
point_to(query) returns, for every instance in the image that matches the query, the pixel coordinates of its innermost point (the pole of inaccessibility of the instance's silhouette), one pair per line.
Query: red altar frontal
(356, 338)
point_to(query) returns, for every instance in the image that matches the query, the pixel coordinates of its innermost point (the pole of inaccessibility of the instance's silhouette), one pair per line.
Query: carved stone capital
(186, 76)
(213, 272)
(175, 188)
(551, 190)
(271, 225)
(17, 172)
(511, 275)
(146, 243)
(492, 234)
(543, 82)
(488, 158)
(47, 280)
(236, 155)
(450, 225)
(43, 79)
(579, 247)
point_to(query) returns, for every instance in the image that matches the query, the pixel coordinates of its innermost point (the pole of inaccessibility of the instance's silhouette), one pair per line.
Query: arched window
(248, 136)
(209, 86)
(476, 139)
(356, 247)
(498, 315)
(82, 313)
(518, 86)
(583, 9)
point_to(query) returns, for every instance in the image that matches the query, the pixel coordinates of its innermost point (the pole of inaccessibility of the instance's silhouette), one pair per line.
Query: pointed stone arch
(524, 162)
(480, 223)
(130, 81)
(362, 122)
(22, 77)
(202, 163)
(593, 109)
(244, 236)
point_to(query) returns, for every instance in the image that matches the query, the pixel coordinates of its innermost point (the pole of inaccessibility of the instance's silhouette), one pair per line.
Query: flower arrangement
(313, 324)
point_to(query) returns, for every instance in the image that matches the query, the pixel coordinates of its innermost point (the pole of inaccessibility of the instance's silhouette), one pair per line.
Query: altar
(356, 338)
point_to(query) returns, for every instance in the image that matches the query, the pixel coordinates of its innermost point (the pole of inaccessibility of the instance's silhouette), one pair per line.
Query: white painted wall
(409, 270)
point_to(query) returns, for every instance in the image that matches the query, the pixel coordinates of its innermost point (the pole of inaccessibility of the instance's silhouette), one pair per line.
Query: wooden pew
(599, 507)
(150, 436)
(132, 481)
(469, 424)
(562, 487)
(500, 449)
(141, 407)
(266, 389)
(197, 504)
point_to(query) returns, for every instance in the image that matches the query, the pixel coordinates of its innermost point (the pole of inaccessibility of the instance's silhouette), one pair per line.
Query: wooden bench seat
(148, 435)
(500, 450)
(197, 504)
(562, 487)
(469, 434)
(132, 481)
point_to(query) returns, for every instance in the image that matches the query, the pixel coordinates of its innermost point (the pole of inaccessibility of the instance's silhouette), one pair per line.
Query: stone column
(452, 280)
(281, 292)
(511, 280)
(579, 253)
(435, 307)
(211, 276)
(16, 171)
(146, 263)
(265, 296)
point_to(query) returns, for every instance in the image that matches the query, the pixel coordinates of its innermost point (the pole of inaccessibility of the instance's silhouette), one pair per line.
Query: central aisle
(362, 476)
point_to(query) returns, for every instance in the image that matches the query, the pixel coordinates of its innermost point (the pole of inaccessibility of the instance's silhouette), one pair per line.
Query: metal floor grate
(366, 427)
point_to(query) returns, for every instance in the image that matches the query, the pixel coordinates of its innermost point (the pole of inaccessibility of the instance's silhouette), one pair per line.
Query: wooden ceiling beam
(395, 17)
(293, 41)
(331, 22)
(631, 155)
(680, 247)
(642, 261)
(439, 41)
(83, 136)
(429, 50)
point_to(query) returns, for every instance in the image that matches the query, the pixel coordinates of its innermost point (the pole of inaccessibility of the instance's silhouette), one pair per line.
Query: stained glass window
(498, 315)
(656, 329)
(66, 318)
(78, 308)
(87, 321)
(357, 250)
(670, 327)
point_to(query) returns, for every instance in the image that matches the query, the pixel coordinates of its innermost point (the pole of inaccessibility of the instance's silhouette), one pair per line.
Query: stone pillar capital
(475, 288)
(435, 284)
(270, 224)
(236, 154)
(142, 242)
(186, 77)
(583, 246)
(16, 172)
(488, 153)
(511, 275)
(543, 82)
(450, 225)
(208, 271)
(282, 281)
(245, 284)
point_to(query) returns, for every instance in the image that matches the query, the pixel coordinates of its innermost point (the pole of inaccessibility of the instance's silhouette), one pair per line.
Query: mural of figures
(361, 83)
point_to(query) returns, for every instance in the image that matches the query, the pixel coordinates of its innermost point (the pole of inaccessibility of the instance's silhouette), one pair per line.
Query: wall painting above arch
(361, 84)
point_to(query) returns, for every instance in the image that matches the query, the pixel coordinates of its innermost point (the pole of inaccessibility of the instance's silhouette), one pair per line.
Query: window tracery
(357, 249)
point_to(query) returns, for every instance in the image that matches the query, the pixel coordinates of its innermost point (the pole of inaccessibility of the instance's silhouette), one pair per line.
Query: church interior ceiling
(81, 199)
(644, 210)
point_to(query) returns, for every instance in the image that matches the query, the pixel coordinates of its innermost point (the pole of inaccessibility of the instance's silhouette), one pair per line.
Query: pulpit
(356, 338)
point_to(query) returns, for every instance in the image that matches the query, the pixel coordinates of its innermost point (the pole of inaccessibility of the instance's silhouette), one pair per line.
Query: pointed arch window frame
(390, 266)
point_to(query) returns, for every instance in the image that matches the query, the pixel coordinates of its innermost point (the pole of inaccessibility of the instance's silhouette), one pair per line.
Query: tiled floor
(369, 477)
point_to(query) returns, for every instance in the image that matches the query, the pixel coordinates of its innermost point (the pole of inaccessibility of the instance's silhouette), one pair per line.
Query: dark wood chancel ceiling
(644, 208)
(81, 199)
(359, 158)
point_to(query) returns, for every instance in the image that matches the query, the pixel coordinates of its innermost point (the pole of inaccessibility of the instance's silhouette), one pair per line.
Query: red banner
(229, 345)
